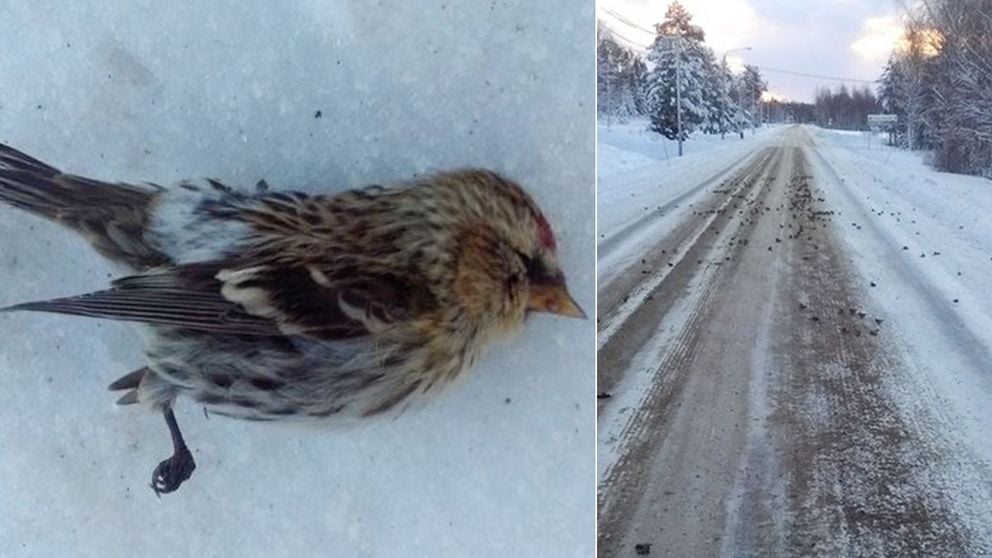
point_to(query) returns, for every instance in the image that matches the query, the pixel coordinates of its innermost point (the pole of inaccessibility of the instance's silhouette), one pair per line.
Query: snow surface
(924, 239)
(631, 158)
(501, 465)
(639, 173)
(920, 242)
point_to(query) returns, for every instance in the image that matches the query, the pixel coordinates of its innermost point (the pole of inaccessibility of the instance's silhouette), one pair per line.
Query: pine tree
(722, 109)
(751, 86)
(846, 109)
(626, 104)
(620, 79)
(636, 76)
(607, 73)
(631, 81)
(680, 70)
(678, 23)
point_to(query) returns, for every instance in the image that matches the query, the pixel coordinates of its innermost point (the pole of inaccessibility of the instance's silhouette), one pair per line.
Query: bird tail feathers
(113, 217)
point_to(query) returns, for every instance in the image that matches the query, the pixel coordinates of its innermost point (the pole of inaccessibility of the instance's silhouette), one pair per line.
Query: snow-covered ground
(316, 95)
(940, 218)
(924, 239)
(639, 174)
(880, 442)
(625, 146)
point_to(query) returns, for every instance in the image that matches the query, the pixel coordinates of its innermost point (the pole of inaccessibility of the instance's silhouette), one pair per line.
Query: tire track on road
(665, 271)
(645, 429)
(767, 425)
(856, 474)
(608, 245)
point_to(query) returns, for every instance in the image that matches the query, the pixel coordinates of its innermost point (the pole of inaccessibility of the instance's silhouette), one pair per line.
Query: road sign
(882, 118)
(882, 123)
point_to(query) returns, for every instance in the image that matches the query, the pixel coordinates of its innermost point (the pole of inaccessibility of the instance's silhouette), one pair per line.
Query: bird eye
(527, 261)
(536, 269)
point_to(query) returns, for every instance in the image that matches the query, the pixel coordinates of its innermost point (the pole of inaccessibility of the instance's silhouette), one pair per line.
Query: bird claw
(172, 472)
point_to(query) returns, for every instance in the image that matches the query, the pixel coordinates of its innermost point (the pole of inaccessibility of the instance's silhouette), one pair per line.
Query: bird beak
(554, 299)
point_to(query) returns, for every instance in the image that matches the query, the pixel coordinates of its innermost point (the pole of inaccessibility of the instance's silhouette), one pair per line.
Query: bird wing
(229, 297)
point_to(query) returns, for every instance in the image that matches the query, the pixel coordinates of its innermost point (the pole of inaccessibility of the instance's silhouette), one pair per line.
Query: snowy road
(781, 374)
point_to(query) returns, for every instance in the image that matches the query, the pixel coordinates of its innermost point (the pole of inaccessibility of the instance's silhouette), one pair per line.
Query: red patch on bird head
(545, 236)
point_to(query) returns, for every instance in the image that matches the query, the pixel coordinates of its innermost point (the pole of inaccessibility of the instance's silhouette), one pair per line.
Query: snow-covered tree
(679, 76)
(634, 78)
(678, 23)
(750, 86)
(684, 71)
(607, 73)
(904, 90)
(940, 83)
(620, 74)
(958, 36)
(845, 109)
(725, 114)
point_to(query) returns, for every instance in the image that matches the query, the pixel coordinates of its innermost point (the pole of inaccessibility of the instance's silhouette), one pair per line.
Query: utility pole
(678, 89)
(753, 86)
(677, 40)
(609, 101)
(737, 83)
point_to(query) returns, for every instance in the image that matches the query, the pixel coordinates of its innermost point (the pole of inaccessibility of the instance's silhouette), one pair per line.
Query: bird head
(547, 291)
(508, 251)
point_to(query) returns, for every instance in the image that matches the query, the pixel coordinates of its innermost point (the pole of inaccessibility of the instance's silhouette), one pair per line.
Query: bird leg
(175, 470)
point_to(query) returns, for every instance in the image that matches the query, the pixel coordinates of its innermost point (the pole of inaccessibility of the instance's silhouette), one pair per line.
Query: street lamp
(741, 49)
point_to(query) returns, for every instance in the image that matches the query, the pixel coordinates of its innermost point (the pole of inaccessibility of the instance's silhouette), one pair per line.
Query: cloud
(770, 96)
(728, 25)
(879, 36)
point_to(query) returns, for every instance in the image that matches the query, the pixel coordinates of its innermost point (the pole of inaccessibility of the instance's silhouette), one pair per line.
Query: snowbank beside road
(922, 243)
(641, 194)
(637, 168)
(937, 221)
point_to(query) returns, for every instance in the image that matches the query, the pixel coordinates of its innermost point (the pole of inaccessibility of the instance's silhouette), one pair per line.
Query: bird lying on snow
(283, 305)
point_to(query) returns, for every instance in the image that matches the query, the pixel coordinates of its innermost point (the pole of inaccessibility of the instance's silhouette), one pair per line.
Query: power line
(627, 21)
(623, 19)
(631, 42)
(763, 68)
(637, 46)
(817, 76)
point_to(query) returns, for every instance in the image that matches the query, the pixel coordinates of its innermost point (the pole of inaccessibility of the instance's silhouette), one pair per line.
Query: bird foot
(172, 472)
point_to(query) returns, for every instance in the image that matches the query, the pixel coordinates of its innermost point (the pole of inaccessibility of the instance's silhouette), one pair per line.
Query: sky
(849, 39)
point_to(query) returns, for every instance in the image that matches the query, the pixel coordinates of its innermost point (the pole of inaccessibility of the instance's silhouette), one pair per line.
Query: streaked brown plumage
(279, 305)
